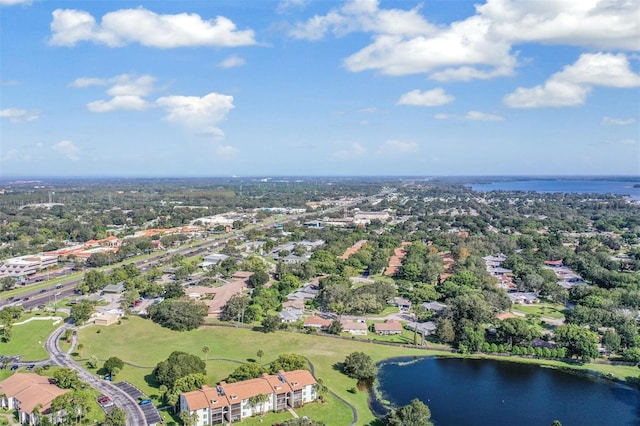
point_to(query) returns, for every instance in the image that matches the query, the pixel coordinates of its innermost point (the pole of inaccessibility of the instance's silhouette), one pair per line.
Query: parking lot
(151, 413)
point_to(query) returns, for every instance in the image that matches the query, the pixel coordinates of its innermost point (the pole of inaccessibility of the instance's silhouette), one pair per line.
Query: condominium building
(232, 402)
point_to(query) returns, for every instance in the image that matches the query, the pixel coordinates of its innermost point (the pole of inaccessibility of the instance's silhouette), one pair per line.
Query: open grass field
(550, 310)
(144, 344)
(28, 339)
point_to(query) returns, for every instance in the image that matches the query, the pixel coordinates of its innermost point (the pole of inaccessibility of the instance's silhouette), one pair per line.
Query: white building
(26, 265)
(232, 402)
(31, 395)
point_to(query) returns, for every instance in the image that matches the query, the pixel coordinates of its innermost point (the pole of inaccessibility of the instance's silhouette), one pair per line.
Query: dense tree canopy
(178, 314)
(178, 365)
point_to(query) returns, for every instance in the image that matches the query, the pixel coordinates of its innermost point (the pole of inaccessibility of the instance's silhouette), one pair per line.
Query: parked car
(145, 402)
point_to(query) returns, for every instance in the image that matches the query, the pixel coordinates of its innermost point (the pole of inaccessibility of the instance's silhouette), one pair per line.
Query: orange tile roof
(389, 325)
(205, 397)
(353, 249)
(31, 390)
(316, 321)
(298, 379)
(238, 391)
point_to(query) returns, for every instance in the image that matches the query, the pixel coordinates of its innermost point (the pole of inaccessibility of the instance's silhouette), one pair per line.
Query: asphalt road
(135, 416)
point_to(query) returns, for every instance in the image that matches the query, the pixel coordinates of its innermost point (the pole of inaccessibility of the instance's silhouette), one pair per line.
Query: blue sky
(295, 87)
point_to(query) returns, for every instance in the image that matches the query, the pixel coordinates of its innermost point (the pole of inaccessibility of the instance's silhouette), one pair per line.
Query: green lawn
(550, 310)
(144, 343)
(28, 339)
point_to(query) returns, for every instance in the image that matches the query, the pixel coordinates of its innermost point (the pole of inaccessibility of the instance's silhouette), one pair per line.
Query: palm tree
(205, 350)
(321, 388)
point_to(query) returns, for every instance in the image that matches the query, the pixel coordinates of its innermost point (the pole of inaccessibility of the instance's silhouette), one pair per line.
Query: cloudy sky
(301, 87)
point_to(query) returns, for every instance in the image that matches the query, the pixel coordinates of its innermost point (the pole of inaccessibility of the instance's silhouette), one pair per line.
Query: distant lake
(474, 392)
(566, 186)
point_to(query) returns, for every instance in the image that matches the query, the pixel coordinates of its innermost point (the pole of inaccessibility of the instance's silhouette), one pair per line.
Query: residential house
(354, 327)
(424, 328)
(388, 327)
(290, 315)
(435, 307)
(232, 402)
(316, 322)
(523, 298)
(31, 395)
(403, 304)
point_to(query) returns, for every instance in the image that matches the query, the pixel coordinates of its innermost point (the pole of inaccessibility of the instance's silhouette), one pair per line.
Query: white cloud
(571, 86)
(225, 152)
(119, 102)
(124, 26)
(480, 46)
(482, 116)
(14, 2)
(127, 92)
(68, 149)
(362, 15)
(395, 147)
(83, 82)
(601, 24)
(469, 116)
(232, 62)
(428, 98)
(618, 121)
(285, 5)
(354, 151)
(17, 115)
(198, 114)
(9, 155)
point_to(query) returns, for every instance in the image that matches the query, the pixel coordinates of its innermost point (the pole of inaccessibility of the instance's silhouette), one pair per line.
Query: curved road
(135, 416)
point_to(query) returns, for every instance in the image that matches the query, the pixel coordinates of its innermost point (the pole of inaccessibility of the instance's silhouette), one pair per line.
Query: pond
(486, 392)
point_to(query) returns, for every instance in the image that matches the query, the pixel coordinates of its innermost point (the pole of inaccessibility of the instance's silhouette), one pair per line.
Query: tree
(179, 364)
(445, 331)
(270, 323)
(81, 312)
(235, 307)
(250, 370)
(112, 364)
(178, 314)
(359, 365)
(335, 327)
(260, 354)
(321, 388)
(189, 382)
(258, 278)
(259, 399)
(7, 283)
(578, 341)
(173, 290)
(67, 378)
(92, 362)
(611, 341)
(515, 331)
(416, 413)
(189, 419)
(288, 362)
(116, 417)
(205, 350)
